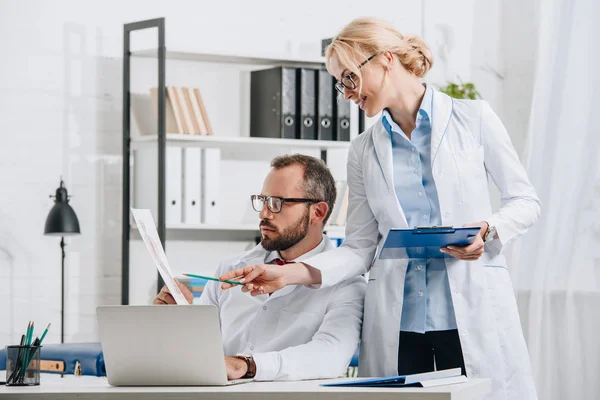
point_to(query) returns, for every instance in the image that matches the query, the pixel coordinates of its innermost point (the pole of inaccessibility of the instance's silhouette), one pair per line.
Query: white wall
(493, 44)
(60, 91)
(60, 108)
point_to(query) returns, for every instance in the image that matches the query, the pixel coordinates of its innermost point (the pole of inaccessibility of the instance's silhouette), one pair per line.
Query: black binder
(342, 116)
(306, 103)
(327, 96)
(273, 103)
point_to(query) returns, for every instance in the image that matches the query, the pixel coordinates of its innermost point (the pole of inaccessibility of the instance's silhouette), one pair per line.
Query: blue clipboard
(425, 242)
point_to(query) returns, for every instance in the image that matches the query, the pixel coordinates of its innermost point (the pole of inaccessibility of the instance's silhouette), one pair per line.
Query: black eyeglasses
(348, 80)
(275, 203)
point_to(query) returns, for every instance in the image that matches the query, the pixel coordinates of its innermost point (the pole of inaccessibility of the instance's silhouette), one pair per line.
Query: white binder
(211, 202)
(145, 182)
(173, 185)
(192, 186)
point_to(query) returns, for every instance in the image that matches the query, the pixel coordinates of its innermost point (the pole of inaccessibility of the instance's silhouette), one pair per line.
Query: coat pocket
(502, 297)
(472, 174)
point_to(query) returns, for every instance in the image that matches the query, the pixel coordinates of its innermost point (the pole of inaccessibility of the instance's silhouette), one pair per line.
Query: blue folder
(425, 242)
(435, 378)
(89, 356)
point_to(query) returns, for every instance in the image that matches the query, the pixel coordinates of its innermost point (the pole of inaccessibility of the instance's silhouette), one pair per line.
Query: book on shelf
(195, 107)
(189, 123)
(204, 113)
(185, 111)
(173, 98)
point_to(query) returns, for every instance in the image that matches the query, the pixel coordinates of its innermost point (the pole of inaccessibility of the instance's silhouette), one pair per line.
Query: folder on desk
(425, 242)
(427, 379)
(68, 358)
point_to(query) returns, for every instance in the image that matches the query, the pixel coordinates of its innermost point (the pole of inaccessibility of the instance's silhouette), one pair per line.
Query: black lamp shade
(61, 220)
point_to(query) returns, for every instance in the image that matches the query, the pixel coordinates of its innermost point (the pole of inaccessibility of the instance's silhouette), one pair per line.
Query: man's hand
(474, 250)
(236, 367)
(260, 278)
(165, 297)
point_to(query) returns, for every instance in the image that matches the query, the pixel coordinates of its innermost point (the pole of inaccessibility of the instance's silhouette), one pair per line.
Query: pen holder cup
(23, 365)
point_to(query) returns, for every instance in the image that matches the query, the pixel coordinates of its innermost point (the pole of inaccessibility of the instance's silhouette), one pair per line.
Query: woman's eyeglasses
(347, 81)
(275, 203)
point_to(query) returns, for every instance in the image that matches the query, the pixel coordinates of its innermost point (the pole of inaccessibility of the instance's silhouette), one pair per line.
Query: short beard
(289, 237)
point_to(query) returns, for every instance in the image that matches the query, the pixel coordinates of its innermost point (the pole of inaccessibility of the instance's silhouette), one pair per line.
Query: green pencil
(29, 334)
(44, 334)
(213, 279)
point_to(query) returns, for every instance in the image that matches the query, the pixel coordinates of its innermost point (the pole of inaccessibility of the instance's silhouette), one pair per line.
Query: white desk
(92, 388)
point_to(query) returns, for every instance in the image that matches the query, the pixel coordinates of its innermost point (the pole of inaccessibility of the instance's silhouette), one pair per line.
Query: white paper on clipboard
(145, 223)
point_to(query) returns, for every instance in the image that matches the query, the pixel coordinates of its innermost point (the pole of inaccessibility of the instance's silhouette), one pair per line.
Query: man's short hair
(318, 182)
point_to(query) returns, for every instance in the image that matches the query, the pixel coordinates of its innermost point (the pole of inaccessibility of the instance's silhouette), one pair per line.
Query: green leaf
(461, 90)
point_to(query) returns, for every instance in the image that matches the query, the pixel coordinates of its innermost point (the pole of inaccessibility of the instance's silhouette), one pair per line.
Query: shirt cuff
(267, 366)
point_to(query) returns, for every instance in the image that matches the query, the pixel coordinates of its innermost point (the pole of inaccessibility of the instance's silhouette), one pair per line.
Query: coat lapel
(441, 114)
(383, 150)
(382, 142)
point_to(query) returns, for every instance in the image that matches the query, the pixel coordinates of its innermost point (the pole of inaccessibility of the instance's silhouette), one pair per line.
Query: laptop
(162, 345)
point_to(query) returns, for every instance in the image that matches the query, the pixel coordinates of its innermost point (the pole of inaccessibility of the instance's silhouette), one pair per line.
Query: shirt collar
(424, 111)
(319, 249)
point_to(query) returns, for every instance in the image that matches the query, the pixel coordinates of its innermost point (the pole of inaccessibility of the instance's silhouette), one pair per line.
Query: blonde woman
(424, 163)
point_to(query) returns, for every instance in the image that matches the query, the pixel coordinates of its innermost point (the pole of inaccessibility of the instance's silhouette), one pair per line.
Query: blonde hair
(364, 37)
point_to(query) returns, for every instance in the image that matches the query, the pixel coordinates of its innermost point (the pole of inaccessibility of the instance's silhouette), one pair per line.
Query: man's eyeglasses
(348, 80)
(275, 203)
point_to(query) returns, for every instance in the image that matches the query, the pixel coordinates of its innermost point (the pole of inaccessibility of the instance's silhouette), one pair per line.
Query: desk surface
(91, 388)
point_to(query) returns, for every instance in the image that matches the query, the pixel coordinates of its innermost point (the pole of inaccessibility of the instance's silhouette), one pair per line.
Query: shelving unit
(231, 59)
(231, 144)
(243, 232)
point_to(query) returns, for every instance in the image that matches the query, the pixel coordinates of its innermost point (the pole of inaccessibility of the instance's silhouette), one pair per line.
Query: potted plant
(461, 90)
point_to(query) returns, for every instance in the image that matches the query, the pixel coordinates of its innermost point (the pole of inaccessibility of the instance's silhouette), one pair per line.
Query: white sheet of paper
(145, 223)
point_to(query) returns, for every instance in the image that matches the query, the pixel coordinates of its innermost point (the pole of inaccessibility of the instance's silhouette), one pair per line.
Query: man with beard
(298, 332)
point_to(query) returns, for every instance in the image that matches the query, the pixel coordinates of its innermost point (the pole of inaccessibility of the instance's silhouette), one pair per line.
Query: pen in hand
(210, 278)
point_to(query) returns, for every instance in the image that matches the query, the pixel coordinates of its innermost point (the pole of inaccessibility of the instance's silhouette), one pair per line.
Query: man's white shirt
(297, 332)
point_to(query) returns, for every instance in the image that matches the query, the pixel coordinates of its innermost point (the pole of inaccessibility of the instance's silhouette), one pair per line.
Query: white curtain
(556, 266)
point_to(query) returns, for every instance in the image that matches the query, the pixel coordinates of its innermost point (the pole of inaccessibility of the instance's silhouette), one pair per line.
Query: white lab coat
(296, 333)
(468, 142)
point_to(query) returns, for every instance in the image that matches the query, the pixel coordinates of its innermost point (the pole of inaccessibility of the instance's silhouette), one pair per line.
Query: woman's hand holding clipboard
(464, 243)
(472, 251)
